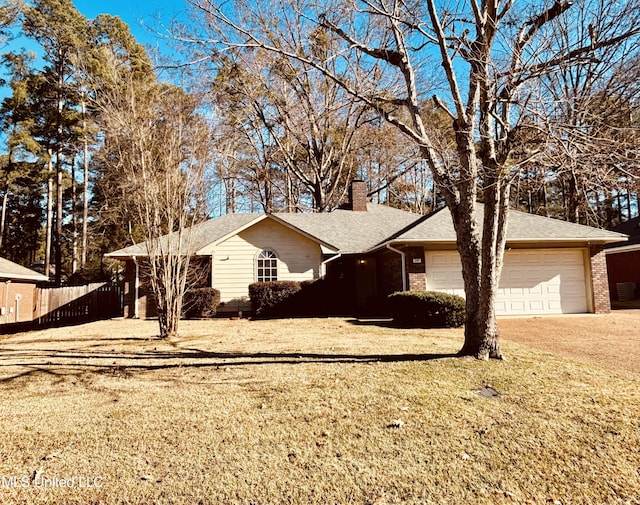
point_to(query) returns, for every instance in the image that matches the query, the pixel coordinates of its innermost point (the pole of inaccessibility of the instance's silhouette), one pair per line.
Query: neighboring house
(17, 292)
(370, 251)
(623, 262)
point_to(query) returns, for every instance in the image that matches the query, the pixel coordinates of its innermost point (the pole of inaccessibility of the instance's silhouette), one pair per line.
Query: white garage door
(542, 281)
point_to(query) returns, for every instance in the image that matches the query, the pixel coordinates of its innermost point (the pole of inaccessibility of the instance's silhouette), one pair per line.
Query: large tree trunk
(3, 218)
(49, 232)
(573, 204)
(74, 219)
(481, 261)
(496, 205)
(85, 193)
(59, 211)
(481, 256)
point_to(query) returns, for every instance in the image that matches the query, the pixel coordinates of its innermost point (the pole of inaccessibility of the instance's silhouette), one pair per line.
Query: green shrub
(200, 303)
(309, 298)
(273, 298)
(427, 309)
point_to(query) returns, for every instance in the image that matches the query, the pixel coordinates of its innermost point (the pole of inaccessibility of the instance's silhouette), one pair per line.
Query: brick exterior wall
(416, 269)
(599, 280)
(389, 272)
(146, 300)
(129, 289)
(417, 281)
(359, 196)
(130, 294)
(24, 309)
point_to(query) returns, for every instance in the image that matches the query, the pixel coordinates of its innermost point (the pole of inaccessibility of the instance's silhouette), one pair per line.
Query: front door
(366, 283)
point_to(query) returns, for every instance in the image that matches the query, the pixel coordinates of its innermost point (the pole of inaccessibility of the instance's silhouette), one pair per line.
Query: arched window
(267, 266)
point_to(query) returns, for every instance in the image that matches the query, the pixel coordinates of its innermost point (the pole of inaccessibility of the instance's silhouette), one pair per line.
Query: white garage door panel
(533, 282)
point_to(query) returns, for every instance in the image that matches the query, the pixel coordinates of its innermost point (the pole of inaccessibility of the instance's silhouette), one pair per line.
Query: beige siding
(234, 260)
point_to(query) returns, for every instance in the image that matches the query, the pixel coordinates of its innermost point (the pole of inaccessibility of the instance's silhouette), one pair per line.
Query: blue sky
(140, 15)
(135, 13)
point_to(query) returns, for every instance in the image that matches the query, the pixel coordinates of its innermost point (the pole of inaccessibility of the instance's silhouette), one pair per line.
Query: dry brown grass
(300, 411)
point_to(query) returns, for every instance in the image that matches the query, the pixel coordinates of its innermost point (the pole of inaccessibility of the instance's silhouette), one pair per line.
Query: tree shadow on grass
(382, 322)
(390, 323)
(75, 362)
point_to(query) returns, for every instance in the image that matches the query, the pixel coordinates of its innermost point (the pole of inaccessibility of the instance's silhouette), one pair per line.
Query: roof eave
(383, 245)
(116, 256)
(440, 242)
(623, 249)
(133, 257)
(576, 240)
(4, 277)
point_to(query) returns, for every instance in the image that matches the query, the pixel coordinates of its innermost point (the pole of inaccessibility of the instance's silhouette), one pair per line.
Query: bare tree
(248, 167)
(159, 148)
(287, 132)
(586, 115)
(393, 166)
(489, 53)
(301, 125)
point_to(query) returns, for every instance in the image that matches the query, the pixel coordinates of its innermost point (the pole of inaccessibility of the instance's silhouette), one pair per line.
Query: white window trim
(257, 264)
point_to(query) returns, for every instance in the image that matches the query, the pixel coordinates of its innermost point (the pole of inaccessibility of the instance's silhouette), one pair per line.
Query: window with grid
(267, 266)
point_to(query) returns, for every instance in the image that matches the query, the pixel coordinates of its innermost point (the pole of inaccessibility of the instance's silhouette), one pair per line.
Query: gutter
(622, 249)
(404, 265)
(24, 277)
(6, 300)
(136, 290)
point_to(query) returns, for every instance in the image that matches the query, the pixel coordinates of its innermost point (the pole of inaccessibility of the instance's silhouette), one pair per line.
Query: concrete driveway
(611, 340)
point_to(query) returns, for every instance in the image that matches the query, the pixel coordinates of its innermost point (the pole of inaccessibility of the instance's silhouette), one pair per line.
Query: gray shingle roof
(345, 231)
(348, 231)
(202, 234)
(10, 270)
(438, 227)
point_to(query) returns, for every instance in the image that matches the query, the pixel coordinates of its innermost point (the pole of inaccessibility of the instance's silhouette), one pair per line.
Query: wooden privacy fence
(72, 305)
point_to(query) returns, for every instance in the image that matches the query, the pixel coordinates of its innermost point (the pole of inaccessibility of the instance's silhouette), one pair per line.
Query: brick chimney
(358, 195)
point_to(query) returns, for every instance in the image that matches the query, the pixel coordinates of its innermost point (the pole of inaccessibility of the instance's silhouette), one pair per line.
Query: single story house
(623, 262)
(551, 266)
(17, 292)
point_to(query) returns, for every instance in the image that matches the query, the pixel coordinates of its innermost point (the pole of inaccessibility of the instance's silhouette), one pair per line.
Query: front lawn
(306, 411)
